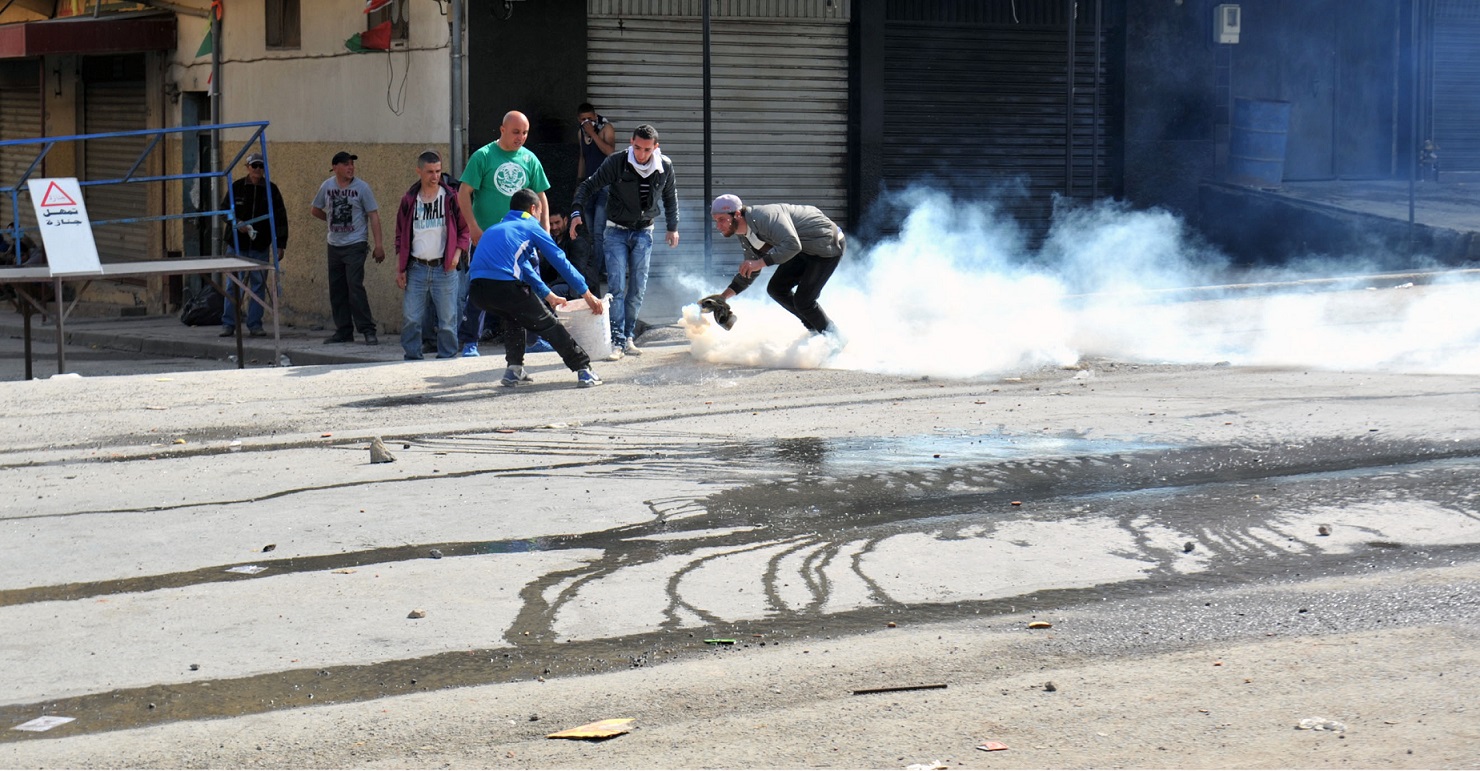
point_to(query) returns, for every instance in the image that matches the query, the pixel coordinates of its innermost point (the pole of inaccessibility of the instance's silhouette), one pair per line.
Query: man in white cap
(801, 241)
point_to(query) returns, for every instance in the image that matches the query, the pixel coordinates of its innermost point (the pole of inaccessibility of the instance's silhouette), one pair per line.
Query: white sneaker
(630, 348)
(616, 354)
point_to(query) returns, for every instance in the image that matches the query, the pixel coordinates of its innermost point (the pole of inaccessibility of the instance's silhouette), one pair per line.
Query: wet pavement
(551, 532)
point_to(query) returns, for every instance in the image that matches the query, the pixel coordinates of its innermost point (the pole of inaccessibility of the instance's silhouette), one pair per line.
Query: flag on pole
(206, 46)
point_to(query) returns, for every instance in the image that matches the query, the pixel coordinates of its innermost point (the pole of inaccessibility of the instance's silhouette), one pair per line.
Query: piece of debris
(179, 441)
(1050, 687)
(343, 571)
(1320, 724)
(194, 667)
(891, 625)
(405, 445)
(503, 431)
(250, 570)
(991, 746)
(325, 435)
(269, 548)
(1188, 547)
(154, 407)
(601, 729)
(435, 554)
(1323, 530)
(719, 641)
(1217, 663)
(418, 613)
(378, 452)
(893, 688)
(1039, 625)
(934, 765)
(43, 723)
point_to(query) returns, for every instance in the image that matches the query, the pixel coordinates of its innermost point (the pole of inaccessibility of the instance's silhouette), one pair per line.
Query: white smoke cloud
(957, 293)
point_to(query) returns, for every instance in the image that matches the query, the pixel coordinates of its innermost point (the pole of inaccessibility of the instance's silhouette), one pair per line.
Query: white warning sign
(65, 229)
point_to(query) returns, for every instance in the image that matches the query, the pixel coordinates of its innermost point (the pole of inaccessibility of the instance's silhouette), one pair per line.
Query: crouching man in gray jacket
(801, 241)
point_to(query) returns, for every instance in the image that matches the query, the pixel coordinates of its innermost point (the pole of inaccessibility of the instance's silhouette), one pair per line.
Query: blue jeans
(428, 281)
(257, 281)
(470, 329)
(629, 254)
(596, 223)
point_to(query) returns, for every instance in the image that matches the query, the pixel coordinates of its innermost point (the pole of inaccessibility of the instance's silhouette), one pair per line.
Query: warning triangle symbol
(55, 196)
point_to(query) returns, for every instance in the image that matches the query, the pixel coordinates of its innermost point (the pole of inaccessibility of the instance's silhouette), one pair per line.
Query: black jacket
(624, 204)
(249, 201)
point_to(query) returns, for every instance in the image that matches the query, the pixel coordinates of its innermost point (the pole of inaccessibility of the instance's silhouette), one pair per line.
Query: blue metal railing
(13, 189)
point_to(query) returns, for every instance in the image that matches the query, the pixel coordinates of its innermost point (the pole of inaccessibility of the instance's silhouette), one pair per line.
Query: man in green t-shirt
(495, 172)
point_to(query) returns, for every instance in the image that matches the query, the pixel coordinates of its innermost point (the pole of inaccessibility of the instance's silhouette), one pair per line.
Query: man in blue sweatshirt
(505, 280)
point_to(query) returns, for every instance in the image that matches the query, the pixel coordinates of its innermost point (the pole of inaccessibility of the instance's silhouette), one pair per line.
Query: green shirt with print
(495, 174)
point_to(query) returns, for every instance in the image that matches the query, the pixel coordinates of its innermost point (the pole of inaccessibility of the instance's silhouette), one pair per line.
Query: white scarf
(654, 163)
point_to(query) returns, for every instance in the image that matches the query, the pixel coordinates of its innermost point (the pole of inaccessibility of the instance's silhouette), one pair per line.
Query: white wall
(321, 92)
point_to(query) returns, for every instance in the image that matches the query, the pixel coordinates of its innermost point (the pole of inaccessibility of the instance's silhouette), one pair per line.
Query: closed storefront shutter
(1456, 85)
(20, 118)
(779, 103)
(116, 106)
(974, 102)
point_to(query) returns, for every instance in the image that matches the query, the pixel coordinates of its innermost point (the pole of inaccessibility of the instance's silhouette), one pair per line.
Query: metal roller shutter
(20, 118)
(974, 101)
(116, 106)
(1456, 84)
(779, 102)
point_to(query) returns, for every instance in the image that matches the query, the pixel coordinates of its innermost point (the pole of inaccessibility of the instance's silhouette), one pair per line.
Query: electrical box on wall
(1227, 19)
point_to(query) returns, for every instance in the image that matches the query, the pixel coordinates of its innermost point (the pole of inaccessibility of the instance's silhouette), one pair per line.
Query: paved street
(192, 558)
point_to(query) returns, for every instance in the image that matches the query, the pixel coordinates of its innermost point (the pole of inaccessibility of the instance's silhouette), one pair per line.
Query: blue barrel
(1256, 144)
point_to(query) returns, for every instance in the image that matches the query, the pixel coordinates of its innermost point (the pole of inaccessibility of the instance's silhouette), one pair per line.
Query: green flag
(206, 46)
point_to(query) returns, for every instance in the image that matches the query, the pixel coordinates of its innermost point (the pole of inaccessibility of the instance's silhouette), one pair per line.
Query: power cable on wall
(400, 103)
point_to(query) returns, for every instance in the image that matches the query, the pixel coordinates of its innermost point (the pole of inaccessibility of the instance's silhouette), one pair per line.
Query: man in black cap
(801, 241)
(248, 199)
(347, 204)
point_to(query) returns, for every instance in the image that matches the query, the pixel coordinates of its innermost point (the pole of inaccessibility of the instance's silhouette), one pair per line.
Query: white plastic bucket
(592, 331)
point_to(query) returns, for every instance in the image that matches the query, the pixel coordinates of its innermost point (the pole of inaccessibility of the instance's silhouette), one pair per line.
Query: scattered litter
(435, 554)
(1017, 503)
(893, 688)
(560, 425)
(325, 435)
(154, 407)
(179, 441)
(194, 667)
(1323, 530)
(269, 547)
(1320, 724)
(378, 452)
(1188, 547)
(343, 571)
(720, 641)
(1217, 663)
(418, 613)
(601, 729)
(991, 746)
(236, 445)
(934, 765)
(1039, 625)
(1408, 285)
(1050, 687)
(503, 431)
(405, 445)
(250, 570)
(43, 723)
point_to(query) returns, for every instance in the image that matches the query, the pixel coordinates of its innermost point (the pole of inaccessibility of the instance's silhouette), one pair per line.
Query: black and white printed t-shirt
(429, 228)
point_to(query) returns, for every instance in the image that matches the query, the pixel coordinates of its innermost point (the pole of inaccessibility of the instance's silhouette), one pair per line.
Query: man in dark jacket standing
(431, 237)
(636, 179)
(801, 241)
(248, 198)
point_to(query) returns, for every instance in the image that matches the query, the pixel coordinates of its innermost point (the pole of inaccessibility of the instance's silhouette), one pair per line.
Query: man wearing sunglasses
(248, 198)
